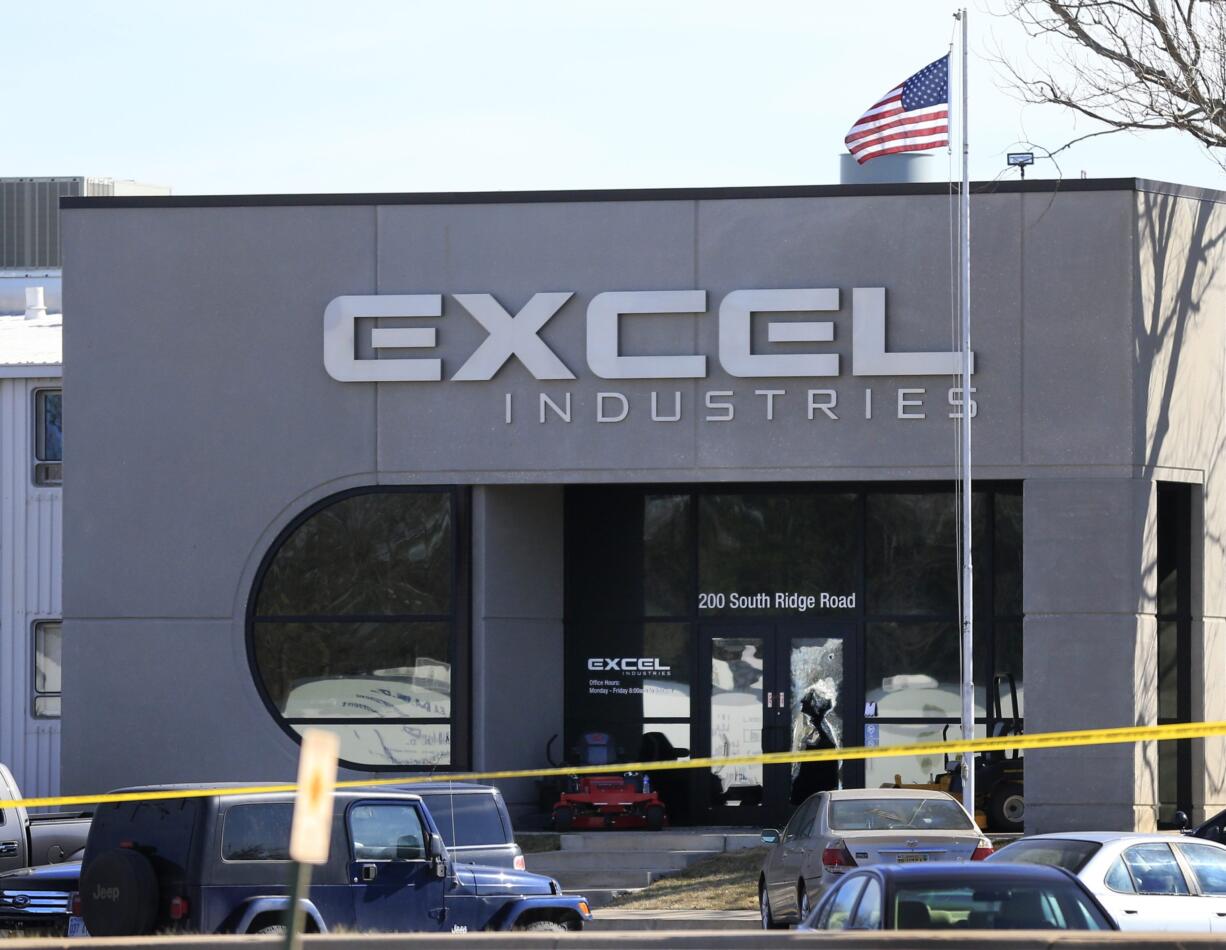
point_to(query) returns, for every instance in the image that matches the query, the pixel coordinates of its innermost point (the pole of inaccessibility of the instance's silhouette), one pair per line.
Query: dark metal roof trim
(1037, 186)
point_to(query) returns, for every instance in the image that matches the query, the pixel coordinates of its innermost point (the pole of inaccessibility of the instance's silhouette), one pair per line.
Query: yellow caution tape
(1039, 740)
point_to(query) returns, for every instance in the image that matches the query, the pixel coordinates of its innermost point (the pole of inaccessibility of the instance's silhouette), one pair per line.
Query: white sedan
(1146, 882)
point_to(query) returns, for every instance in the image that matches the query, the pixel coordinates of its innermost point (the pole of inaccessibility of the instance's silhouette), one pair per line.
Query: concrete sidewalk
(623, 919)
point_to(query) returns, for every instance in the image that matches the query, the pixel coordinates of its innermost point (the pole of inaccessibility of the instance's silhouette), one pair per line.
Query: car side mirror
(680, 753)
(1180, 819)
(436, 851)
(770, 836)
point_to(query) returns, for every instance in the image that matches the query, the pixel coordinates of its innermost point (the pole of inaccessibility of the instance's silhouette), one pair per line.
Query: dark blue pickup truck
(220, 863)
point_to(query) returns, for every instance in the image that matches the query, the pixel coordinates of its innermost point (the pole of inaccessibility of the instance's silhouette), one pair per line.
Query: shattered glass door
(817, 714)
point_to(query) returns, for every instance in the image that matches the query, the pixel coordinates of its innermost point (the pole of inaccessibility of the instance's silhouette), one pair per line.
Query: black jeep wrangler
(220, 863)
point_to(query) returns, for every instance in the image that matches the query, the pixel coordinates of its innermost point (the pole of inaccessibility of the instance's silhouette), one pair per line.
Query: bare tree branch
(1133, 65)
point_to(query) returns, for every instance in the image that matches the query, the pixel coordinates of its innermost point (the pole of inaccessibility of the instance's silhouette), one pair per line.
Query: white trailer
(31, 471)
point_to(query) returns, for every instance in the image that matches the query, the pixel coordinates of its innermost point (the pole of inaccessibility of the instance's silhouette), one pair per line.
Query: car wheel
(764, 905)
(563, 818)
(655, 817)
(272, 929)
(539, 926)
(1007, 808)
(802, 901)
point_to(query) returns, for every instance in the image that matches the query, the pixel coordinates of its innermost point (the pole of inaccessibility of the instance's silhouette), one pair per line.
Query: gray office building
(671, 472)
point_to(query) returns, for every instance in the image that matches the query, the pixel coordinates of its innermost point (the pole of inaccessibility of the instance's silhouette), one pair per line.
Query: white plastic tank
(36, 305)
(905, 167)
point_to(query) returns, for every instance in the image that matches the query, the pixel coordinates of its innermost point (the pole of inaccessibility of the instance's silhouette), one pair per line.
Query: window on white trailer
(48, 437)
(47, 645)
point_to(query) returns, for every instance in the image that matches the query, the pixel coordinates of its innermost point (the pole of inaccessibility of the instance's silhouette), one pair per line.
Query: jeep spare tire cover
(119, 894)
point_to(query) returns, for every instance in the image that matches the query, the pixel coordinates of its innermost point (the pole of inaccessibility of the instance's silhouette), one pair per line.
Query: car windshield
(899, 814)
(1067, 853)
(997, 906)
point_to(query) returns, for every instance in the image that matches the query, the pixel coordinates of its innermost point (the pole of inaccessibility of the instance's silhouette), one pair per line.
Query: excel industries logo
(518, 335)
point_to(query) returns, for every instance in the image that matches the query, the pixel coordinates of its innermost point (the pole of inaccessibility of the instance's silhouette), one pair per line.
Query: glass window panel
(390, 744)
(666, 687)
(627, 672)
(165, 827)
(466, 820)
(911, 563)
(48, 644)
(765, 546)
(800, 825)
(358, 670)
(1014, 905)
(1168, 781)
(898, 814)
(1209, 866)
(816, 667)
(667, 555)
(842, 903)
(605, 557)
(1068, 853)
(911, 669)
(1154, 869)
(737, 666)
(372, 553)
(47, 648)
(386, 833)
(868, 911)
(1168, 552)
(49, 430)
(1168, 670)
(1118, 878)
(1008, 635)
(257, 832)
(910, 769)
(1008, 555)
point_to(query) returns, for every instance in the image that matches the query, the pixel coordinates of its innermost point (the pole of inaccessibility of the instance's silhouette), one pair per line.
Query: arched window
(354, 620)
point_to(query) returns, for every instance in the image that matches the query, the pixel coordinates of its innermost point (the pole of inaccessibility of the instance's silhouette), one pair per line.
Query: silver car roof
(1109, 837)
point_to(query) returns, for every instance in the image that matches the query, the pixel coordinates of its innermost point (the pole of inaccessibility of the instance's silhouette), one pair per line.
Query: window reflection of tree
(781, 542)
(912, 565)
(666, 555)
(369, 553)
(288, 654)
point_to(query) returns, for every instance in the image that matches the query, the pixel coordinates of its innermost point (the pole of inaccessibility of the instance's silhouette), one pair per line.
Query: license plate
(911, 858)
(76, 927)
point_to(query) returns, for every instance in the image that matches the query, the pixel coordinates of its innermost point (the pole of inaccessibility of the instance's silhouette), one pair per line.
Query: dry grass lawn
(727, 881)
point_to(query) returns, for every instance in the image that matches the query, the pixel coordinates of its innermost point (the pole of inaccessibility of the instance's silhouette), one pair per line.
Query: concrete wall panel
(517, 630)
(1084, 541)
(210, 722)
(195, 394)
(1078, 348)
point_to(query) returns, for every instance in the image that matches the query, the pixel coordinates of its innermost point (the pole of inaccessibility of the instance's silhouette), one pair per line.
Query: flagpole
(968, 599)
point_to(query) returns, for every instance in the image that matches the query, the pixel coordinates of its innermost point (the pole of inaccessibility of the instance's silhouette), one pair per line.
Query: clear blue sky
(273, 96)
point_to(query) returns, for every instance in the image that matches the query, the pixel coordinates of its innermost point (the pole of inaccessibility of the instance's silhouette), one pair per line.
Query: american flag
(909, 118)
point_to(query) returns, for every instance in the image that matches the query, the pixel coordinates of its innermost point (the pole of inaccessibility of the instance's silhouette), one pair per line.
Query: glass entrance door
(776, 687)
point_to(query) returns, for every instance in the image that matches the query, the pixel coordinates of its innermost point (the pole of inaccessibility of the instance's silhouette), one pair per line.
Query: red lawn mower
(612, 802)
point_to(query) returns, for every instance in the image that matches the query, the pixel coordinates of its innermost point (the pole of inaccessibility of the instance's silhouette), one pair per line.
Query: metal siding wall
(30, 580)
(30, 220)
